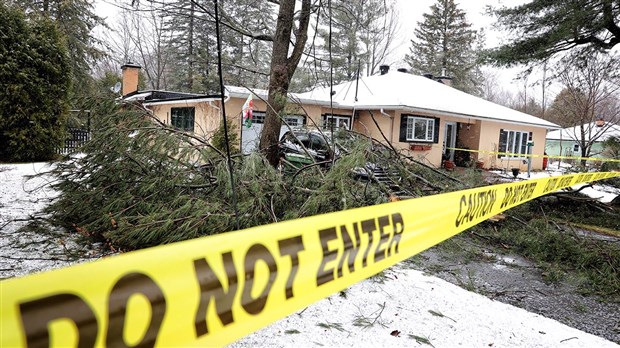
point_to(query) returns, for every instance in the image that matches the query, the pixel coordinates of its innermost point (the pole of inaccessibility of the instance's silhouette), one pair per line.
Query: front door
(449, 140)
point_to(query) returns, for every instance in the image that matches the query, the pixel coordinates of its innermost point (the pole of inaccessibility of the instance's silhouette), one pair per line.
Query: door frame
(452, 144)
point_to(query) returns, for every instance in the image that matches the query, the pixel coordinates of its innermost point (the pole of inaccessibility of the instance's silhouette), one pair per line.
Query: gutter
(454, 114)
(180, 101)
(226, 98)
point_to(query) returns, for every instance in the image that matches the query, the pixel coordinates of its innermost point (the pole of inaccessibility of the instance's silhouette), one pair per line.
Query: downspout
(226, 98)
(391, 124)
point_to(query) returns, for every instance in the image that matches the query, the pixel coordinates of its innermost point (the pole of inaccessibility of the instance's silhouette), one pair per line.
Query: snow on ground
(603, 193)
(406, 308)
(401, 307)
(20, 201)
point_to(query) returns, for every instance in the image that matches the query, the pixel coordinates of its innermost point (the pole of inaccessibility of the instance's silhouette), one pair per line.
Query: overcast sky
(410, 13)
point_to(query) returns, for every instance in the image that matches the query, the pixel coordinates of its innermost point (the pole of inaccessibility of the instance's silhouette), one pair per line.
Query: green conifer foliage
(75, 20)
(34, 85)
(445, 44)
(542, 28)
(219, 139)
(140, 183)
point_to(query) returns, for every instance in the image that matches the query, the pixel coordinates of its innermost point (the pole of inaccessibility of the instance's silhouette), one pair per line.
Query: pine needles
(140, 183)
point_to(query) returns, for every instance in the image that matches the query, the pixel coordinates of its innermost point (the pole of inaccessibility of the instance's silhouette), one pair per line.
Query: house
(187, 111)
(568, 141)
(425, 119)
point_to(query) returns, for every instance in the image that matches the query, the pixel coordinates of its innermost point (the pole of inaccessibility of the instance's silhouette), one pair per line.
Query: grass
(469, 284)
(530, 230)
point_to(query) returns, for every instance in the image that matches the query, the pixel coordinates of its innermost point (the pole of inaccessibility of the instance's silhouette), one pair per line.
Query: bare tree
(150, 40)
(589, 101)
(492, 90)
(380, 38)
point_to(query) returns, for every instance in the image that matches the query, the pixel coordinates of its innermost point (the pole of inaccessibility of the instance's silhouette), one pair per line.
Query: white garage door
(250, 137)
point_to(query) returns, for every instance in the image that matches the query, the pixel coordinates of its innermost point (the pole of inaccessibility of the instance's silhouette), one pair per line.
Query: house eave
(180, 101)
(406, 108)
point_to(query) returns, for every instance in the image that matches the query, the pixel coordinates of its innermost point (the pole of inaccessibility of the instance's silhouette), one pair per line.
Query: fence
(76, 137)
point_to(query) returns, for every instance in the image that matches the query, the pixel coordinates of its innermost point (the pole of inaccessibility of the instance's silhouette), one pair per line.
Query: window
(420, 129)
(338, 121)
(513, 142)
(294, 120)
(576, 148)
(182, 118)
(258, 117)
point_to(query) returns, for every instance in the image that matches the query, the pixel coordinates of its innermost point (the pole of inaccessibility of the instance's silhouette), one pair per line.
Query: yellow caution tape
(213, 290)
(521, 155)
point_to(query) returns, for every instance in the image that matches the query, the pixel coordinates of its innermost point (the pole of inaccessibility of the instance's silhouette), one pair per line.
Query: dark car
(305, 146)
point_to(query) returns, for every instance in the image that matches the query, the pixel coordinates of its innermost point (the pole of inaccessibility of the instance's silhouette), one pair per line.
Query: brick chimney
(446, 80)
(130, 77)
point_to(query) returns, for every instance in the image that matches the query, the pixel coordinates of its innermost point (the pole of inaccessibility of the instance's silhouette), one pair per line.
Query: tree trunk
(190, 49)
(282, 69)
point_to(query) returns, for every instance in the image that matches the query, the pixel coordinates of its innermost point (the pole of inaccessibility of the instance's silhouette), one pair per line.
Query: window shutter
(503, 139)
(403, 129)
(190, 121)
(436, 128)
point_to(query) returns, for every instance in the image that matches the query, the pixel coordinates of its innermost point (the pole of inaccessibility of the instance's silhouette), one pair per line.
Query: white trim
(181, 101)
(514, 143)
(445, 138)
(411, 119)
(347, 118)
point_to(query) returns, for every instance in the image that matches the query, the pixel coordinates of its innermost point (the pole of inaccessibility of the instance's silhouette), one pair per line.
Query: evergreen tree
(76, 20)
(445, 44)
(362, 35)
(191, 39)
(542, 28)
(34, 86)
(245, 60)
(564, 105)
(612, 150)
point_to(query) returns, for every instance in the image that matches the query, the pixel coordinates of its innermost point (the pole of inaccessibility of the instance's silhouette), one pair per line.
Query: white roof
(243, 92)
(411, 93)
(591, 132)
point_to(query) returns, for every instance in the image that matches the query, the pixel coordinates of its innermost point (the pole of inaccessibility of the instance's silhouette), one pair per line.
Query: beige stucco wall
(389, 121)
(489, 141)
(206, 118)
(365, 125)
(472, 134)
(312, 112)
